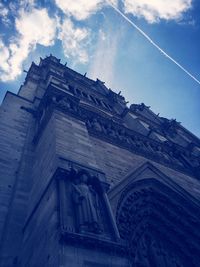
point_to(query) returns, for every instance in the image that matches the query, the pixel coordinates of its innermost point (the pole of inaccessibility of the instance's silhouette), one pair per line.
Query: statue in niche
(173, 159)
(96, 125)
(139, 143)
(86, 205)
(64, 103)
(123, 136)
(160, 151)
(110, 131)
(149, 147)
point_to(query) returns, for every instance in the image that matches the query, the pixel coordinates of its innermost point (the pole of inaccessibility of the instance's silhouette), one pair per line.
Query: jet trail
(153, 43)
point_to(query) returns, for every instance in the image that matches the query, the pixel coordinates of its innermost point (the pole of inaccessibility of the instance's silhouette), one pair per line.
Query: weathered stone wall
(41, 232)
(73, 141)
(77, 257)
(29, 196)
(63, 137)
(118, 165)
(114, 161)
(15, 130)
(28, 90)
(44, 163)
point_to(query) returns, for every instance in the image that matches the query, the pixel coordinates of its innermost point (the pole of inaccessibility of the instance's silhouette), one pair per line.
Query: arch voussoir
(152, 217)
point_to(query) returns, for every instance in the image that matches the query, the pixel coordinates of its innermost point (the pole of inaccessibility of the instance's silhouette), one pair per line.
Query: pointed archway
(160, 224)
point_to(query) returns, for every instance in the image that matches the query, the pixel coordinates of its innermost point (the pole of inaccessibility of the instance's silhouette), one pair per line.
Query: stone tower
(86, 181)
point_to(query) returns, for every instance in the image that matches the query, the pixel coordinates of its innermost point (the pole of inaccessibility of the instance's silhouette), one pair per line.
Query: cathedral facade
(87, 181)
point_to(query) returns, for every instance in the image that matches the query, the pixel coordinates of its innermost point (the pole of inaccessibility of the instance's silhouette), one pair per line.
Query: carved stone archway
(160, 224)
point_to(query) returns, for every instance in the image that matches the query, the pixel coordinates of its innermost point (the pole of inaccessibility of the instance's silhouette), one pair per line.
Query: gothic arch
(160, 224)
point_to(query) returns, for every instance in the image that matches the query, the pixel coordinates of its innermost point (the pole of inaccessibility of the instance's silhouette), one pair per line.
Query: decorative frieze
(110, 128)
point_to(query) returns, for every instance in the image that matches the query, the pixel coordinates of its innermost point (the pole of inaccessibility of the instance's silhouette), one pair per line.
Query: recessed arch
(160, 224)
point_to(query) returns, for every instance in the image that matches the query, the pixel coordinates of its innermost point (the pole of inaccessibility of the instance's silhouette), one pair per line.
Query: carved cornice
(109, 128)
(90, 241)
(72, 170)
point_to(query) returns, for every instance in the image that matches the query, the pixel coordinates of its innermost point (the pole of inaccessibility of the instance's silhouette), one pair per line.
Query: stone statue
(122, 136)
(173, 159)
(110, 131)
(160, 151)
(96, 125)
(64, 103)
(85, 199)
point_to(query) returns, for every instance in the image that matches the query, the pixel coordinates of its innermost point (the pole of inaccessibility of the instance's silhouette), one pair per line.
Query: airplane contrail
(153, 43)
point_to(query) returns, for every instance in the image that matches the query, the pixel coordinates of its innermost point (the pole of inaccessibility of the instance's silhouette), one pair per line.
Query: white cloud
(34, 27)
(80, 9)
(154, 10)
(3, 10)
(14, 6)
(4, 14)
(4, 52)
(74, 41)
(102, 65)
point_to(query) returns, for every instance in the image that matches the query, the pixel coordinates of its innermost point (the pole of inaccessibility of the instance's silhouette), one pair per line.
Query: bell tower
(88, 181)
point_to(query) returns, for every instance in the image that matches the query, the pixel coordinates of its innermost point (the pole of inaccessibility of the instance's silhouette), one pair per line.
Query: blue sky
(92, 37)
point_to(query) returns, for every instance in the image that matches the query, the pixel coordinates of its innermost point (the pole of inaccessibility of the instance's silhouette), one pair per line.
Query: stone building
(87, 181)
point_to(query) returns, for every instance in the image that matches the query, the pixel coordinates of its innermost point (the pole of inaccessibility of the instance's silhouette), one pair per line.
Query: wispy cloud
(155, 10)
(148, 38)
(4, 52)
(80, 9)
(4, 14)
(30, 27)
(102, 65)
(34, 25)
(74, 41)
(151, 10)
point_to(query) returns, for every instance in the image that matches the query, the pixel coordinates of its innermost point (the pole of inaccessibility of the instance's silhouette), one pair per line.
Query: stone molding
(156, 220)
(109, 128)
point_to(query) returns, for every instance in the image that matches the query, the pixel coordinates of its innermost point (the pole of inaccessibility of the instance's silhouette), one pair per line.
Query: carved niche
(84, 206)
(87, 205)
(160, 225)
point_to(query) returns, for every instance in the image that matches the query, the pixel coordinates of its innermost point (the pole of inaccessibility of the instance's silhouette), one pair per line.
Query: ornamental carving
(113, 131)
(84, 206)
(87, 205)
(160, 228)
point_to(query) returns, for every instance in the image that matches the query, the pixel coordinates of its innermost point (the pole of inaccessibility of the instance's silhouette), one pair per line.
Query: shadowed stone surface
(87, 181)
